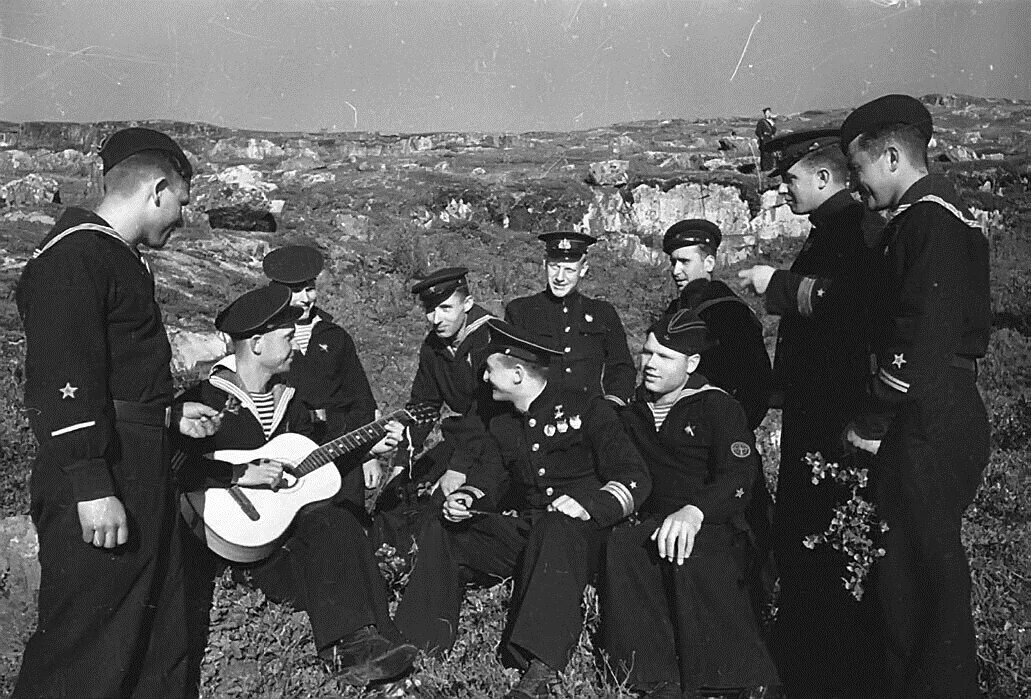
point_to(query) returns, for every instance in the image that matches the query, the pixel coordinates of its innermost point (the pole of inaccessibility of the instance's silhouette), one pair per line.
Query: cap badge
(68, 391)
(565, 244)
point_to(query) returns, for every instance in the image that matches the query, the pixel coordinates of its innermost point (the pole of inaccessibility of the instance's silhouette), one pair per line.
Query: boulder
(16, 161)
(192, 350)
(651, 209)
(612, 173)
(252, 149)
(31, 190)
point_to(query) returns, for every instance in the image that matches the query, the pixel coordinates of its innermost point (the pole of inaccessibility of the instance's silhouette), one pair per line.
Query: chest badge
(549, 430)
(588, 317)
(68, 391)
(689, 429)
(323, 347)
(575, 422)
(562, 426)
(558, 411)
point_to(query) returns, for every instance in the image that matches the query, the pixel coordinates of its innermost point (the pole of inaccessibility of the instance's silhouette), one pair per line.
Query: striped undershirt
(659, 413)
(266, 405)
(302, 336)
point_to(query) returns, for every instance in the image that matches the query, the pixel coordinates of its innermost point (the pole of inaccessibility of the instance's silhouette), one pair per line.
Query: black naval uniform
(326, 567)
(565, 444)
(329, 377)
(823, 639)
(932, 314)
(591, 336)
(448, 378)
(97, 392)
(689, 624)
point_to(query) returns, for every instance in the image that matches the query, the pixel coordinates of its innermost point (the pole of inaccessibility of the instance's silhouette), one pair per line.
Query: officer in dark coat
(325, 566)
(588, 331)
(98, 391)
(823, 639)
(675, 614)
(448, 377)
(926, 421)
(738, 362)
(326, 371)
(765, 129)
(563, 471)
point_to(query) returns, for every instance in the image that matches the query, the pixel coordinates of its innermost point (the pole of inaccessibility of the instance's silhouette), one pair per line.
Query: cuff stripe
(622, 495)
(805, 296)
(73, 428)
(893, 381)
(615, 399)
(471, 490)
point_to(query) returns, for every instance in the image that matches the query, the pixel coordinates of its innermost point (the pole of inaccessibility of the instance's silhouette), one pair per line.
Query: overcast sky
(493, 65)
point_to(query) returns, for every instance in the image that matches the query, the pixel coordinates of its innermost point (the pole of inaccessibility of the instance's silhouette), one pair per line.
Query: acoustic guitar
(246, 524)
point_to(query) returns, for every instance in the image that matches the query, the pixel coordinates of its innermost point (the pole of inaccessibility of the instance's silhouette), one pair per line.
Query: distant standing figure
(765, 129)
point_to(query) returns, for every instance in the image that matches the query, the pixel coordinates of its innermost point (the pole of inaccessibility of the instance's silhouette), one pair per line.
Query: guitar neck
(347, 443)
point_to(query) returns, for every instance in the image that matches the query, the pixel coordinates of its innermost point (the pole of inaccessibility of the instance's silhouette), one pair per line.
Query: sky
(493, 65)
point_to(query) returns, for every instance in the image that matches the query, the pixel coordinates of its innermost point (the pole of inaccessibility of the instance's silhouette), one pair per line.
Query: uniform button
(535, 447)
(549, 491)
(531, 422)
(565, 310)
(569, 349)
(540, 472)
(569, 370)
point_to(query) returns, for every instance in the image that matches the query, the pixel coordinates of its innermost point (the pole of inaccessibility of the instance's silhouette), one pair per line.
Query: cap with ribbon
(257, 312)
(691, 231)
(513, 341)
(128, 142)
(293, 265)
(438, 286)
(883, 111)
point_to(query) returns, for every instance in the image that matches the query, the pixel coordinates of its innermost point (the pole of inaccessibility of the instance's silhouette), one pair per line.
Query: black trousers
(552, 557)
(691, 624)
(326, 568)
(930, 465)
(825, 642)
(110, 620)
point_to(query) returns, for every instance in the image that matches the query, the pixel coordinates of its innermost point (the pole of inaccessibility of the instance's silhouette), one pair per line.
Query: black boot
(536, 682)
(364, 656)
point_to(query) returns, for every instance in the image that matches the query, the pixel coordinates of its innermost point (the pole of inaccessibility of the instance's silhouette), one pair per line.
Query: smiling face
(665, 370)
(304, 296)
(503, 377)
(872, 176)
(448, 317)
(804, 188)
(689, 263)
(564, 276)
(274, 349)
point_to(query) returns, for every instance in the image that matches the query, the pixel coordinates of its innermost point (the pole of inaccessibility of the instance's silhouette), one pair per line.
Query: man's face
(304, 298)
(502, 379)
(564, 276)
(664, 370)
(448, 317)
(803, 193)
(689, 263)
(276, 349)
(871, 176)
(171, 199)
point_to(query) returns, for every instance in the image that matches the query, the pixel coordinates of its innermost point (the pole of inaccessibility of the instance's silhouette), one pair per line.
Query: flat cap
(566, 245)
(890, 109)
(789, 148)
(293, 265)
(258, 312)
(683, 331)
(439, 285)
(128, 142)
(691, 231)
(507, 339)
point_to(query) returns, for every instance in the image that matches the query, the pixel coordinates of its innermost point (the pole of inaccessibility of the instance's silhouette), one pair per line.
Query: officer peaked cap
(439, 285)
(789, 148)
(128, 142)
(566, 246)
(512, 341)
(890, 109)
(257, 312)
(293, 265)
(691, 231)
(683, 331)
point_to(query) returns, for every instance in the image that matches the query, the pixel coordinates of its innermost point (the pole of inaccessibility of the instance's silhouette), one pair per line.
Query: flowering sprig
(850, 527)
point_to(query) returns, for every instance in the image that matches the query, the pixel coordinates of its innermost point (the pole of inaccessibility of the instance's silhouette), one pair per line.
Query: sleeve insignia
(324, 347)
(740, 450)
(899, 361)
(575, 422)
(739, 493)
(68, 391)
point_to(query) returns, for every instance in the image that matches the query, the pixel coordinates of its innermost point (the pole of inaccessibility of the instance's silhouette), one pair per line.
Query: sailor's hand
(456, 506)
(867, 445)
(263, 472)
(758, 276)
(103, 522)
(569, 507)
(196, 419)
(677, 534)
(395, 433)
(372, 473)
